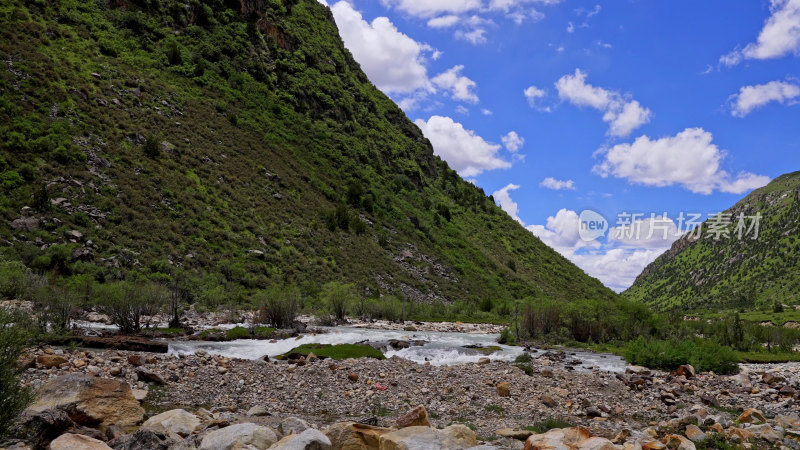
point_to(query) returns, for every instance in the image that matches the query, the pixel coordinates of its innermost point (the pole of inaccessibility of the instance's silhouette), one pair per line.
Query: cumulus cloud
(459, 86)
(615, 263)
(392, 60)
(513, 141)
(622, 114)
(533, 94)
(558, 185)
(465, 151)
(779, 36)
(753, 97)
(617, 268)
(688, 159)
(561, 232)
(503, 199)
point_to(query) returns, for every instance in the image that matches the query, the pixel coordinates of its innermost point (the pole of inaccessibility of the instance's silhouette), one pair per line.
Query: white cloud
(616, 264)
(655, 231)
(486, 112)
(469, 15)
(513, 142)
(753, 97)
(588, 12)
(460, 87)
(688, 159)
(503, 199)
(558, 185)
(465, 151)
(570, 27)
(391, 59)
(533, 94)
(428, 8)
(475, 36)
(617, 268)
(443, 21)
(461, 109)
(561, 232)
(779, 36)
(622, 115)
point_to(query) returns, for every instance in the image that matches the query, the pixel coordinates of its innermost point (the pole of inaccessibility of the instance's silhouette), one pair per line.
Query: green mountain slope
(731, 272)
(239, 143)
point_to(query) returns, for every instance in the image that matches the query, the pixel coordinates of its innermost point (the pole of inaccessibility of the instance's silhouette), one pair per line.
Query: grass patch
(716, 441)
(238, 333)
(339, 351)
(489, 350)
(768, 357)
(263, 332)
(497, 409)
(547, 425)
(725, 409)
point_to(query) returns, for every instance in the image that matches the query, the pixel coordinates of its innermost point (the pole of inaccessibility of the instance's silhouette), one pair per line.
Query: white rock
(239, 436)
(309, 439)
(178, 421)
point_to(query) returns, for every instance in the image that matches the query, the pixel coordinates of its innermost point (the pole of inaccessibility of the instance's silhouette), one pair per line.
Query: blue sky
(557, 106)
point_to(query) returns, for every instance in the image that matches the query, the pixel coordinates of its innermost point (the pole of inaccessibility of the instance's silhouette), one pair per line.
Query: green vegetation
(703, 355)
(173, 154)
(16, 332)
(547, 425)
(238, 333)
(338, 351)
(717, 441)
(731, 273)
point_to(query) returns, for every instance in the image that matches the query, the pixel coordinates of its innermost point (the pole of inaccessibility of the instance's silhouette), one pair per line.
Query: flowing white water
(440, 348)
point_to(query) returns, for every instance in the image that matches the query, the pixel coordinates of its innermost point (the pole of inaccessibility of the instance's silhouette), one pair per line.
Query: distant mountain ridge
(237, 142)
(731, 272)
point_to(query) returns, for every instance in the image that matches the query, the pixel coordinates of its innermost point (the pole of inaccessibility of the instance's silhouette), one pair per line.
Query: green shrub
(16, 332)
(152, 149)
(278, 306)
(702, 354)
(337, 297)
(523, 358)
(13, 279)
(238, 333)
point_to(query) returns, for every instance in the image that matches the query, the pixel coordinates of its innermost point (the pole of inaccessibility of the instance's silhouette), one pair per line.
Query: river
(439, 348)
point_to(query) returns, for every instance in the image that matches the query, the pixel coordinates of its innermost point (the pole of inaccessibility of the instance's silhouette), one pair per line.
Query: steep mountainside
(236, 141)
(731, 272)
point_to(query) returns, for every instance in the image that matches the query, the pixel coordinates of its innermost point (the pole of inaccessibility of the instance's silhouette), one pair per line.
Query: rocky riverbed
(496, 399)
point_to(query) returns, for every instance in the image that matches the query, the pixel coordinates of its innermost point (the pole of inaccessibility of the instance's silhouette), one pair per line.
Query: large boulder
(293, 425)
(90, 401)
(454, 437)
(416, 417)
(355, 436)
(42, 427)
(309, 439)
(178, 421)
(77, 442)
(558, 439)
(239, 436)
(145, 439)
(50, 361)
